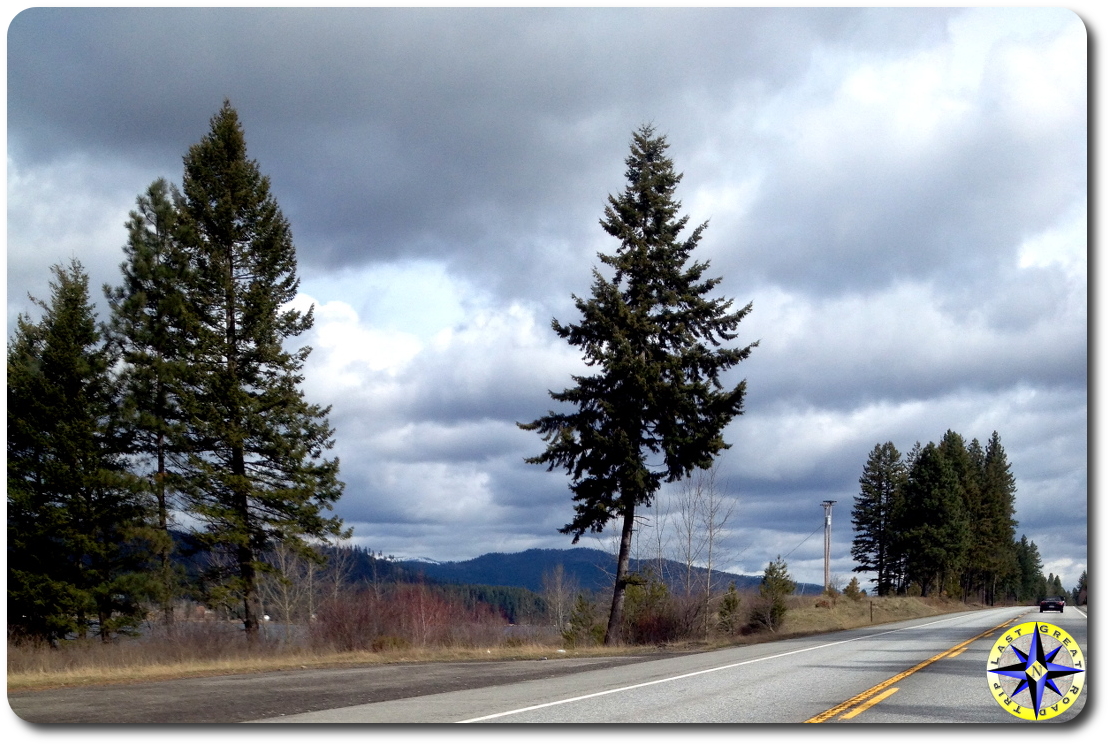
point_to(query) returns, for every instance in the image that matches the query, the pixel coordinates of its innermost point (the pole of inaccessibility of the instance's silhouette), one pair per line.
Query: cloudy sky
(901, 194)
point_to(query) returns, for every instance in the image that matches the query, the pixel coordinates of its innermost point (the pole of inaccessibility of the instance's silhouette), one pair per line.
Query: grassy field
(221, 649)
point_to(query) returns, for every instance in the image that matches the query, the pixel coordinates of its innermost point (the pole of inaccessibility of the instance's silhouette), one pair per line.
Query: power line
(803, 541)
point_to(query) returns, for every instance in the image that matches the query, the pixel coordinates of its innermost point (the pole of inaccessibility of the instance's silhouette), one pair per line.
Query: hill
(590, 569)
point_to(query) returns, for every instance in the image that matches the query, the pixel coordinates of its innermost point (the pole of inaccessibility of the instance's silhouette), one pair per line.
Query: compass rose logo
(1035, 671)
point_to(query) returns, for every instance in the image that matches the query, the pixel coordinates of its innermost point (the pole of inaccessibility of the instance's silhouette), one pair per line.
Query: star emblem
(1036, 670)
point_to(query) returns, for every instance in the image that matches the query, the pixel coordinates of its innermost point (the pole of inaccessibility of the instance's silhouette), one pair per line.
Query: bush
(416, 614)
(585, 627)
(770, 611)
(728, 612)
(652, 616)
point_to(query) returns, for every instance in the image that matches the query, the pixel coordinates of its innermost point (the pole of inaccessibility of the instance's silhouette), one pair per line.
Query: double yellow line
(866, 699)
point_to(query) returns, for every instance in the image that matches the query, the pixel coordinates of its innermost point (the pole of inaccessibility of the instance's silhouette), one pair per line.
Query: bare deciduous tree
(701, 512)
(716, 512)
(559, 591)
(285, 592)
(690, 539)
(658, 538)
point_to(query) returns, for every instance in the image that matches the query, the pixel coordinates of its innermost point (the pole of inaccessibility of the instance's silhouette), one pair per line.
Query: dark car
(1053, 604)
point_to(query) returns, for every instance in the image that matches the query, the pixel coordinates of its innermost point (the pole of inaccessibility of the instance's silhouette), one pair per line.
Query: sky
(900, 193)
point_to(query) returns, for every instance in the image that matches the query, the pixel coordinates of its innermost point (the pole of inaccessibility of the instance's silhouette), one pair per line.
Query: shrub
(585, 627)
(651, 615)
(728, 612)
(416, 614)
(776, 585)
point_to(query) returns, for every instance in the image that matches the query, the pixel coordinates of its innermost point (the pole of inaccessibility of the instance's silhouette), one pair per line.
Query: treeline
(185, 408)
(301, 587)
(940, 521)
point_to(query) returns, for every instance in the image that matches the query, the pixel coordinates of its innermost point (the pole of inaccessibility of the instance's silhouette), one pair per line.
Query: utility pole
(828, 536)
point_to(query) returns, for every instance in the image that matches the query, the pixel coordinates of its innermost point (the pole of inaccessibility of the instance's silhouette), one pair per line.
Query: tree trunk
(612, 634)
(245, 552)
(164, 525)
(250, 591)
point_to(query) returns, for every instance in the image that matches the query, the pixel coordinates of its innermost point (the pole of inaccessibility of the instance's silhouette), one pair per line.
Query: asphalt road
(822, 677)
(791, 681)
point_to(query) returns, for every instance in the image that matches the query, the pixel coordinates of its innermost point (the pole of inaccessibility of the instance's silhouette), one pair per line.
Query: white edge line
(708, 670)
(1077, 609)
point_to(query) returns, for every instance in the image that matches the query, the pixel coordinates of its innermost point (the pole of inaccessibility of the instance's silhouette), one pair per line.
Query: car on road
(1054, 603)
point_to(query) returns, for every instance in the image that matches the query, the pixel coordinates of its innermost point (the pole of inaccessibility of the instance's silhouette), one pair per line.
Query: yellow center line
(961, 650)
(869, 703)
(863, 697)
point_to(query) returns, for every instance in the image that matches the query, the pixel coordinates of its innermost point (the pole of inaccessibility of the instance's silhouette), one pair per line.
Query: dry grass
(215, 649)
(805, 617)
(92, 663)
(92, 674)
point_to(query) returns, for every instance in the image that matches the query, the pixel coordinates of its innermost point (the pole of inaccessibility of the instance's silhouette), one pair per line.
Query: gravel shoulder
(242, 697)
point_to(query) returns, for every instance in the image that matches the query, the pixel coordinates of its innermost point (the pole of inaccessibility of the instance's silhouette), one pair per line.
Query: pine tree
(149, 329)
(853, 590)
(995, 525)
(773, 590)
(1079, 593)
(39, 598)
(583, 627)
(1054, 586)
(872, 515)
(257, 472)
(933, 532)
(1029, 584)
(979, 553)
(728, 611)
(656, 340)
(957, 572)
(75, 519)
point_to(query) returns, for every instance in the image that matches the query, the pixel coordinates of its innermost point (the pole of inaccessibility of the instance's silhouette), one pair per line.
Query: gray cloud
(494, 130)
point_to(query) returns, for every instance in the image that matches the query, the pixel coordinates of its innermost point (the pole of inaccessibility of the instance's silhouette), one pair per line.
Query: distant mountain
(590, 569)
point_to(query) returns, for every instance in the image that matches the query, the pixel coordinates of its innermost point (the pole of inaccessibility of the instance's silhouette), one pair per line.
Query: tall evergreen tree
(257, 471)
(1079, 593)
(954, 450)
(979, 553)
(883, 476)
(75, 519)
(40, 601)
(932, 523)
(656, 340)
(149, 329)
(995, 525)
(1054, 586)
(1030, 583)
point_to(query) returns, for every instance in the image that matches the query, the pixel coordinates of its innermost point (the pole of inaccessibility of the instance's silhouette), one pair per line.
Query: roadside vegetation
(415, 623)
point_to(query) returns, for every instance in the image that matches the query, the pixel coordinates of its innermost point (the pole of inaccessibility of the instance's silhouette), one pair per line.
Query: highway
(922, 671)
